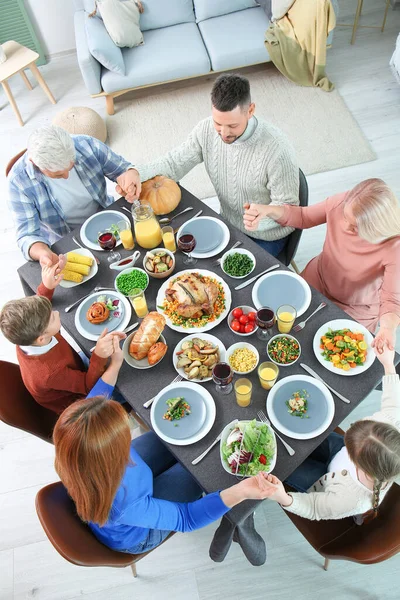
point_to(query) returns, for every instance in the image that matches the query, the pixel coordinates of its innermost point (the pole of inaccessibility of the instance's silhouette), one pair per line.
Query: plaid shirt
(37, 215)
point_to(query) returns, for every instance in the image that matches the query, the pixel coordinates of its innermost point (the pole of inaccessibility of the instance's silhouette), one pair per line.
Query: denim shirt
(37, 215)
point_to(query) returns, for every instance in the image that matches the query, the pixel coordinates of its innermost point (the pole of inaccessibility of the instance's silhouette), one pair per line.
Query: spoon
(167, 220)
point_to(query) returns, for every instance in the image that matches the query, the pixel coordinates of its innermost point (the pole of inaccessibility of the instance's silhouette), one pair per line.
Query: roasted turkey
(194, 296)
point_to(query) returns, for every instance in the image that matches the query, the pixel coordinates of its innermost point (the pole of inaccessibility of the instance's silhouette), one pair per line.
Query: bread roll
(148, 333)
(97, 313)
(156, 352)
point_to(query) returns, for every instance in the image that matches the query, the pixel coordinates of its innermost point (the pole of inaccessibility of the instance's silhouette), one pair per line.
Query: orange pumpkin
(162, 194)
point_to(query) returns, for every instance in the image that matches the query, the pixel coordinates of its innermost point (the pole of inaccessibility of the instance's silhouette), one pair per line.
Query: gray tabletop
(138, 386)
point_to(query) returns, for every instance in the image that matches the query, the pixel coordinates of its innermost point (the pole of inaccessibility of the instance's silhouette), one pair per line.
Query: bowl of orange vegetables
(344, 347)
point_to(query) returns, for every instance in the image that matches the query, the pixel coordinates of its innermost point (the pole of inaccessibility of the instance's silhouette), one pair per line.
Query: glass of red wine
(107, 241)
(187, 243)
(222, 376)
(265, 320)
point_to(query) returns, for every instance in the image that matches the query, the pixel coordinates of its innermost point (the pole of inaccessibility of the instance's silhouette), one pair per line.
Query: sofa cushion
(89, 6)
(163, 13)
(236, 40)
(175, 52)
(102, 47)
(207, 9)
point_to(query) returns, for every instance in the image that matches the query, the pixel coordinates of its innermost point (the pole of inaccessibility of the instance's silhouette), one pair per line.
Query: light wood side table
(355, 25)
(20, 58)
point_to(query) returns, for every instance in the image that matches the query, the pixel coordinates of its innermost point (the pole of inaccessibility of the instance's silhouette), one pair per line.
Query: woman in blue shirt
(132, 494)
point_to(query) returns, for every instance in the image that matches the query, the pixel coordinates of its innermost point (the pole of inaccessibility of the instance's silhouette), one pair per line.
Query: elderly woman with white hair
(58, 183)
(359, 266)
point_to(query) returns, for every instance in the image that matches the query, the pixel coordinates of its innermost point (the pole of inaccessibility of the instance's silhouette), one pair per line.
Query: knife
(196, 215)
(203, 454)
(245, 283)
(314, 374)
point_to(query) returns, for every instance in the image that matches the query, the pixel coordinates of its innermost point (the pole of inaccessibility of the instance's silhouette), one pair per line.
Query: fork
(84, 248)
(150, 402)
(235, 245)
(98, 288)
(301, 325)
(263, 417)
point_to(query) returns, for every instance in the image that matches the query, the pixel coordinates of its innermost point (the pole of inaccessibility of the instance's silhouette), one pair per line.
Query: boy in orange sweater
(52, 371)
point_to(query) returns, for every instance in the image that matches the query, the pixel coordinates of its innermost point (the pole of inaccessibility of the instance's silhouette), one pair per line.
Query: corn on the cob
(74, 257)
(75, 268)
(71, 276)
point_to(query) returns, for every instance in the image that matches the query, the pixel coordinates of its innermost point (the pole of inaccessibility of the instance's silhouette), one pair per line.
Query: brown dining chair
(72, 538)
(12, 162)
(342, 539)
(19, 409)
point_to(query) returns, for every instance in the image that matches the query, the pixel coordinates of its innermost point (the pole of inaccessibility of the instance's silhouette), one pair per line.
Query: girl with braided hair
(350, 475)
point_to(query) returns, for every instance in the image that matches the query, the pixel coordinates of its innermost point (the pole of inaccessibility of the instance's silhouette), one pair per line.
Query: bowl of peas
(238, 263)
(129, 279)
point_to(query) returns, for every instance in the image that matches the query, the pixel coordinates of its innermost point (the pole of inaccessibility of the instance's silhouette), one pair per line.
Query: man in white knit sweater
(247, 160)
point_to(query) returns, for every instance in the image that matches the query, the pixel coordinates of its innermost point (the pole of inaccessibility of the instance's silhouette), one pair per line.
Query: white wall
(54, 24)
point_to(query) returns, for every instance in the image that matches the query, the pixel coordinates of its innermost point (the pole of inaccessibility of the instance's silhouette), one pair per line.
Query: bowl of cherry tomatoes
(242, 320)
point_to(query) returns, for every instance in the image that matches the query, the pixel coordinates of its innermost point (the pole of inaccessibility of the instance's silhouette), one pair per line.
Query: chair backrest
(19, 409)
(288, 253)
(69, 535)
(14, 160)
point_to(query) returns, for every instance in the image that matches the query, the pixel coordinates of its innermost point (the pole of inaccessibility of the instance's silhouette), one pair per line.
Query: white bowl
(238, 251)
(281, 335)
(125, 272)
(234, 347)
(246, 310)
(143, 363)
(164, 274)
(224, 436)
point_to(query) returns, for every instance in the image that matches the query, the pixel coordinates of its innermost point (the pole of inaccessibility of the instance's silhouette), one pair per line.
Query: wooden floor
(181, 569)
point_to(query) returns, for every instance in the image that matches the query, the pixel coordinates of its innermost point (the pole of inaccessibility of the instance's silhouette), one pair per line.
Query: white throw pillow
(280, 8)
(121, 19)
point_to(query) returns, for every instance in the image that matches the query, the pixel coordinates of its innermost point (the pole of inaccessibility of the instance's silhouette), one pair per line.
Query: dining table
(137, 386)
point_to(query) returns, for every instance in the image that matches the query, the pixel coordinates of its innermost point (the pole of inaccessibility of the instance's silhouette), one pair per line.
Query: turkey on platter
(193, 295)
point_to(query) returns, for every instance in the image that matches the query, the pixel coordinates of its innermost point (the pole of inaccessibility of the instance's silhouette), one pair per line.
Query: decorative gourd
(161, 193)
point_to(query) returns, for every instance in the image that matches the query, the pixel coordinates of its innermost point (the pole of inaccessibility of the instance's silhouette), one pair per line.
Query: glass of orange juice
(243, 389)
(169, 238)
(125, 235)
(138, 301)
(268, 374)
(285, 317)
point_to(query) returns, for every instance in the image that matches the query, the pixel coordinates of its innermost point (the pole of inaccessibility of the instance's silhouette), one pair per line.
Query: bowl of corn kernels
(242, 357)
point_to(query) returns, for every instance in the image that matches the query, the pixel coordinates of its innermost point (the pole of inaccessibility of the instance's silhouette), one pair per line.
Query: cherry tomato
(249, 327)
(237, 313)
(242, 328)
(235, 325)
(244, 319)
(263, 459)
(252, 316)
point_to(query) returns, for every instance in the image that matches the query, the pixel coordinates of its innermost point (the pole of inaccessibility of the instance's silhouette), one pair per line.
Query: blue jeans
(274, 248)
(171, 482)
(316, 465)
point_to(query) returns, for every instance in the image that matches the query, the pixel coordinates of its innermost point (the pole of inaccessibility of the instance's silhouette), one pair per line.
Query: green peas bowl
(129, 279)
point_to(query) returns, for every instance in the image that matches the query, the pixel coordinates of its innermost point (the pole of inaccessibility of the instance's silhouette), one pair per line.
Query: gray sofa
(182, 39)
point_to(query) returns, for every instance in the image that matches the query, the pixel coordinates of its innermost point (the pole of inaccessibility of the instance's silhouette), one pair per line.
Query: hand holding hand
(385, 338)
(51, 272)
(46, 256)
(386, 357)
(117, 357)
(129, 185)
(257, 487)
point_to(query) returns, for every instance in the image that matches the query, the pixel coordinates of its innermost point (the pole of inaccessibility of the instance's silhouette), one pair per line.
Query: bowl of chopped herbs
(238, 263)
(129, 279)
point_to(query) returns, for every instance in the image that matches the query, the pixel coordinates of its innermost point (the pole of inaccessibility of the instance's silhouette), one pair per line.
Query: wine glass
(187, 243)
(108, 241)
(265, 320)
(222, 376)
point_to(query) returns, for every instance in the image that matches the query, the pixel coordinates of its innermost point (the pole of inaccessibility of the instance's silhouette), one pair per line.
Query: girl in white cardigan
(355, 472)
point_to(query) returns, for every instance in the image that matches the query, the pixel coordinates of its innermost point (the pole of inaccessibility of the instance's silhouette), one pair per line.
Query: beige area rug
(323, 131)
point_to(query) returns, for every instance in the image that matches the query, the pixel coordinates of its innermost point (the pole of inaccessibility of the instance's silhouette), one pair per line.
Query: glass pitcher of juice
(147, 228)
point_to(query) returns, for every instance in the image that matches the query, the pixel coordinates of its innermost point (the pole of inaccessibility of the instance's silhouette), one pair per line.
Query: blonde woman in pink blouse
(359, 266)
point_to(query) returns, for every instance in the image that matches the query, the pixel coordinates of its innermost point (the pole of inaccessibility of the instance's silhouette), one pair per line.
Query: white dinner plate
(92, 332)
(211, 234)
(354, 327)
(206, 337)
(282, 287)
(210, 325)
(98, 223)
(93, 269)
(177, 435)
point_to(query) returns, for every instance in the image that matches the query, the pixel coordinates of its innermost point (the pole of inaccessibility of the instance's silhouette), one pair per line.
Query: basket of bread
(146, 347)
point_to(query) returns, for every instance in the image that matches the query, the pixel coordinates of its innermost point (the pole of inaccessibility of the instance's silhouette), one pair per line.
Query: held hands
(129, 185)
(51, 272)
(386, 357)
(117, 357)
(385, 339)
(263, 486)
(253, 213)
(105, 346)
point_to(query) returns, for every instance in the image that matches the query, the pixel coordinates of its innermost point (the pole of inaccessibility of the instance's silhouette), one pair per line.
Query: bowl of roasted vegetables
(283, 349)
(159, 263)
